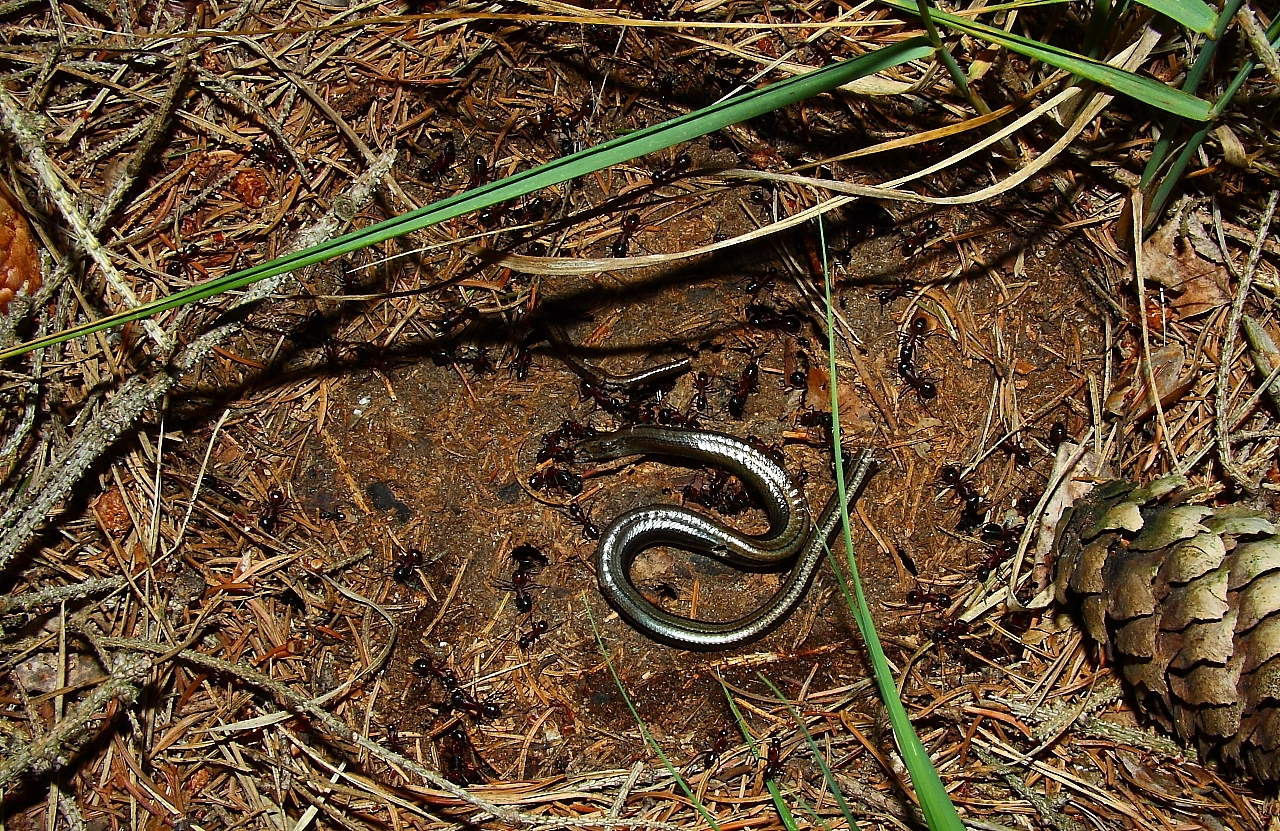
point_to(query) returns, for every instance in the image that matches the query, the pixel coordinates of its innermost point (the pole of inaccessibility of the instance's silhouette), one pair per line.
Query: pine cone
(1186, 600)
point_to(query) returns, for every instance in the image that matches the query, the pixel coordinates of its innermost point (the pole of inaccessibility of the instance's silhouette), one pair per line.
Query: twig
(57, 594)
(19, 125)
(1139, 273)
(1221, 425)
(1258, 40)
(30, 512)
(55, 749)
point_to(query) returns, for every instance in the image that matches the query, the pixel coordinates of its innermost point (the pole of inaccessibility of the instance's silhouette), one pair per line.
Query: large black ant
(925, 388)
(1005, 542)
(763, 316)
(773, 760)
(460, 699)
(681, 163)
(1057, 434)
(578, 515)
(899, 289)
(407, 565)
(1020, 455)
(479, 173)
(747, 383)
(442, 162)
(798, 373)
(459, 760)
(950, 630)
(719, 745)
(556, 478)
(916, 241)
(528, 560)
(975, 505)
(271, 511)
(916, 331)
(921, 597)
(867, 219)
(426, 667)
(700, 383)
(630, 224)
(528, 639)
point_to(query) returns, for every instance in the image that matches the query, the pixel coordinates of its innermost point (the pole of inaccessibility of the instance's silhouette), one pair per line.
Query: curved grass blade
(1139, 87)
(827, 776)
(644, 731)
(1195, 15)
(779, 804)
(647, 140)
(934, 802)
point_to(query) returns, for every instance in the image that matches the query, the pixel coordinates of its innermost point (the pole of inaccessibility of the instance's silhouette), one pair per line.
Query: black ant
(460, 699)
(760, 196)
(868, 219)
(975, 505)
(630, 224)
(719, 745)
(798, 376)
(758, 284)
(920, 597)
(1026, 503)
(763, 316)
(1057, 434)
(521, 580)
(210, 482)
(407, 564)
(448, 155)
(817, 418)
(1005, 542)
(480, 362)
(773, 760)
(556, 478)
(528, 639)
(675, 418)
(426, 667)
(578, 515)
(271, 511)
(700, 383)
(925, 389)
(951, 630)
(602, 399)
(681, 163)
(458, 319)
(918, 328)
(459, 760)
(528, 560)
(773, 451)
(899, 289)
(521, 361)
(913, 243)
(748, 382)
(479, 173)
(1021, 456)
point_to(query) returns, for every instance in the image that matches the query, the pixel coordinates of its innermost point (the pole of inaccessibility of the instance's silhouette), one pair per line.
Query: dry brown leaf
(19, 265)
(1173, 261)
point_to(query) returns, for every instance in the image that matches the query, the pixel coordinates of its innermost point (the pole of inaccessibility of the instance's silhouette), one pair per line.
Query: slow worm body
(791, 534)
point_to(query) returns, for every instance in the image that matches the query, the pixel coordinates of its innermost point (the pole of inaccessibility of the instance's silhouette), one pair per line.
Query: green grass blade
(779, 804)
(935, 804)
(1139, 87)
(1195, 15)
(641, 142)
(815, 751)
(644, 731)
